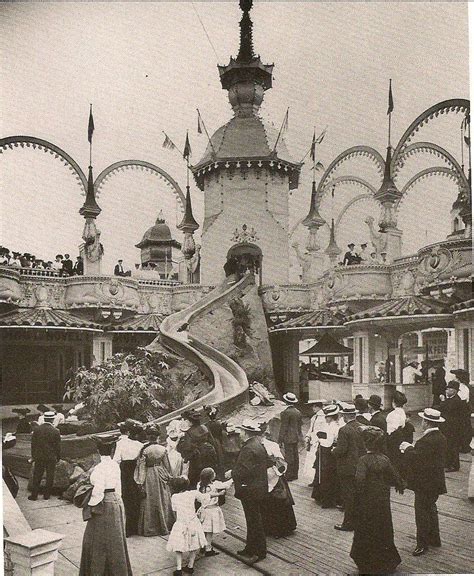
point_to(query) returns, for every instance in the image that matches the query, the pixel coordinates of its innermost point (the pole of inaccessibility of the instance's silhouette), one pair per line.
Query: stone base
(33, 553)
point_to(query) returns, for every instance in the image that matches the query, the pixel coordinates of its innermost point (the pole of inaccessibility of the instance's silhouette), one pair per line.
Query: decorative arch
(455, 105)
(141, 165)
(355, 151)
(11, 142)
(427, 173)
(438, 151)
(347, 206)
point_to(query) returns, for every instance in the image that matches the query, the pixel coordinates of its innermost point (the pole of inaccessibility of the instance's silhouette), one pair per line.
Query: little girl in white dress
(187, 534)
(210, 513)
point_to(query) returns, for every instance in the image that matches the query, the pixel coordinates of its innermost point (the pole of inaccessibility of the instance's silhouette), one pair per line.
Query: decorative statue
(305, 261)
(91, 236)
(193, 262)
(378, 239)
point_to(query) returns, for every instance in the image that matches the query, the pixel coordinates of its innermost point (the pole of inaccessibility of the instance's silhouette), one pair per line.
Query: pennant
(90, 129)
(199, 123)
(320, 138)
(313, 147)
(187, 148)
(168, 143)
(390, 98)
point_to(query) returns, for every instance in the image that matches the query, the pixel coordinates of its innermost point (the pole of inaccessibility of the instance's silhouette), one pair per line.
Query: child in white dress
(210, 513)
(187, 534)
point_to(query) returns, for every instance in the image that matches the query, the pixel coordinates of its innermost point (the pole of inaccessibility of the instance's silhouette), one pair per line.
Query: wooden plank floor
(317, 548)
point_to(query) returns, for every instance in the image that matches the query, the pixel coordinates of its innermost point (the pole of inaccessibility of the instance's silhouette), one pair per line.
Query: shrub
(241, 321)
(137, 385)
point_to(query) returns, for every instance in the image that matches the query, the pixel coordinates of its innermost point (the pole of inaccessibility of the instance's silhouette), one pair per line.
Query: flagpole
(205, 130)
(314, 154)
(285, 119)
(90, 143)
(390, 117)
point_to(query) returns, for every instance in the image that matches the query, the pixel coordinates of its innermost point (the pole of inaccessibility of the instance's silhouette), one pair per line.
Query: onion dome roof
(159, 233)
(243, 138)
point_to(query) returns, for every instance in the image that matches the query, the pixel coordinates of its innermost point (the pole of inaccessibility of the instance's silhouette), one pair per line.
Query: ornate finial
(388, 195)
(188, 223)
(246, 53)
(161, 218)
(333, 249)
(90, 208)
(313, 219)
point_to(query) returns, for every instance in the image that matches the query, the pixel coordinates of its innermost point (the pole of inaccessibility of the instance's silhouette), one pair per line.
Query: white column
(101, 348)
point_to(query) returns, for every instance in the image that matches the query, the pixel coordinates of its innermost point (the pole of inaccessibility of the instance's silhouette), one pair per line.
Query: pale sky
(147, 66)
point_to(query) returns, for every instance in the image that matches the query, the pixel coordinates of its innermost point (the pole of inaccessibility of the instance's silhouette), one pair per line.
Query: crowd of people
(353, 256)
(62, 264)
(356, 452)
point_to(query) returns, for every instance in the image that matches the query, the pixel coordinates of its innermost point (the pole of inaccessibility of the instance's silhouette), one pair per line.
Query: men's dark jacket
(452, 410)
(349, 448)
(379, 419)
(426, 462)
(79, 268)
(290, 426)
(46, 443)
(250, 471)
(68, 267)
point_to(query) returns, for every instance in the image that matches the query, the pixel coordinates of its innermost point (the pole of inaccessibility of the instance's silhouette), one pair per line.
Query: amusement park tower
(246, 174)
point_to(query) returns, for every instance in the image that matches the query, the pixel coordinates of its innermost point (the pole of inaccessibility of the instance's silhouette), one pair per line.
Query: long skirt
(325, 484)
(277, 510)
(104, 547)
(373, 547)
(156, 516)
(308, 469)
(130, 496)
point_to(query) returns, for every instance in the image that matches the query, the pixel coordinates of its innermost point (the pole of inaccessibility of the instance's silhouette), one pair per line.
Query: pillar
(364, 357)
(464, 342)
(394, 244)
(290, 364)
(101, 348)
(32, 553)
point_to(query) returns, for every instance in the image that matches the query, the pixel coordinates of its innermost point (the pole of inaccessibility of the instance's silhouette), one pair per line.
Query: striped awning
(318, 319)
(46, 318)
(406, 306)
(145, 323)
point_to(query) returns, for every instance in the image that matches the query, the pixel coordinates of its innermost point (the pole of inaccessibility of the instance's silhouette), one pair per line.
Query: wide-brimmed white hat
(250, 426)
(290, 398)
(331, 410)
(431, 415)
(318, 401)
(348, 408)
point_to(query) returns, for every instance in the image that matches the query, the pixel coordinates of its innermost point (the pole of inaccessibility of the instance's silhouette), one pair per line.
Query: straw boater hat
(290, 398)
(431, 415)
(251, 426)
(348, 409)
(49, 415)
(318, 401)
(331, 410)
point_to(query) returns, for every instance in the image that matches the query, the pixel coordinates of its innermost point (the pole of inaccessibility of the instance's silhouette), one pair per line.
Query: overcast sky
(146, 67)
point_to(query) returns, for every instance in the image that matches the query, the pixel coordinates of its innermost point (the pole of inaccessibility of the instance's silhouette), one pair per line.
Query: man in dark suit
(251, 487)
(377, 419)
(45, 453)
(426, 461)
(451, 408)
(349, 448)
(79, 267)
(67, 269)
(290, 435)
(118, 270)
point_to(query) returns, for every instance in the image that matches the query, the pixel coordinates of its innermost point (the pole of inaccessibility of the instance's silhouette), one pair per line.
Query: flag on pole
(313, 147)
(390, 98)
(187, 148)
(320, 138)
(199, 123)
(90, 130)
(168, 143)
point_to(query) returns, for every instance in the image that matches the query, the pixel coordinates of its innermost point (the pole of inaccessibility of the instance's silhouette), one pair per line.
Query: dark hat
(21, 411)
(59, 256)
(192, 415)
(42, 408)
(66, 255)
(375, 401)
(351, 244)
(453, 384)
(16, 254)
(373, 437)
(462, 374)
(364, 244)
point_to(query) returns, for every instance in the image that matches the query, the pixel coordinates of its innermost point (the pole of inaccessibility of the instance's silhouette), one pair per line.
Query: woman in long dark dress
(216, 429)
(325, 483)
(277, 508)
(104, 545)
(373, 547)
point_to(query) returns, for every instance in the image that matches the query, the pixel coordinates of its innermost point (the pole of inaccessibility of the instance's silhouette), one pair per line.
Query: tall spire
(388, 195)
(333, 249)
(90, 208)
(246, 53)
(245, 77)
(313, 218)
(188, 223)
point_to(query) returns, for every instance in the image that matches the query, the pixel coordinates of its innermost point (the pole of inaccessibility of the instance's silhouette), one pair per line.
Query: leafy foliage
(241, 321)
(138, 385)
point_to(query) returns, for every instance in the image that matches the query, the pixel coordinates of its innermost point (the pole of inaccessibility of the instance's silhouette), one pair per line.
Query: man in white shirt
(410, 373)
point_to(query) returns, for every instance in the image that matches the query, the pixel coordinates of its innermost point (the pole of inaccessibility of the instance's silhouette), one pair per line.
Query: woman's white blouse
(105, 476)
(332, 430)
(396, 419)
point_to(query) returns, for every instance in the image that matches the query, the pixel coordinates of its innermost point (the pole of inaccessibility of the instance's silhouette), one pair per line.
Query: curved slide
(229, 381)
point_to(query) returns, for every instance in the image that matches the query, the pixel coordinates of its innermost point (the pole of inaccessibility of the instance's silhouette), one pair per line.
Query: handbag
(83, 495)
